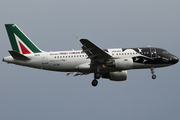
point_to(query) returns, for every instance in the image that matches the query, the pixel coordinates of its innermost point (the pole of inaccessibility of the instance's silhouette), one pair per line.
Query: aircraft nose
(175, 59)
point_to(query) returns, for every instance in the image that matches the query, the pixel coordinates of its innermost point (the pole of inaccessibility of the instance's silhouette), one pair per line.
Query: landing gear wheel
(152, 71)
(153, 76)
(94, 82)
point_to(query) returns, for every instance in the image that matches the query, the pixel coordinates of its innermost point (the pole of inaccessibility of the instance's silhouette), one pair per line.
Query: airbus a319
(103, 63)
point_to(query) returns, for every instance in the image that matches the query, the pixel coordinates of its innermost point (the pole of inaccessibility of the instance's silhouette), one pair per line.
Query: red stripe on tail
(23, 49)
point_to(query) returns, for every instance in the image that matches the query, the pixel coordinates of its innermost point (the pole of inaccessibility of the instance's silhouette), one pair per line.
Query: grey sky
(31, 94)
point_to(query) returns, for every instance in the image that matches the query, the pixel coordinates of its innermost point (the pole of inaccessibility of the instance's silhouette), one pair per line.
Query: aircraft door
(45, 58)
(153, 53)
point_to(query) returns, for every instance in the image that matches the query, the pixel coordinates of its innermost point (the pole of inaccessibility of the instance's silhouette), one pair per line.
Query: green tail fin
(19, 41)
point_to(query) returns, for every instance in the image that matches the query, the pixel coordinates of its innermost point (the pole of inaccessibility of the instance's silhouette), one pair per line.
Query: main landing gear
(153, 75)
(95, 82)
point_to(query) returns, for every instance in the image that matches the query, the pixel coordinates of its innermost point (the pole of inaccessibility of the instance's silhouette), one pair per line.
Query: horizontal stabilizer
(18, 56)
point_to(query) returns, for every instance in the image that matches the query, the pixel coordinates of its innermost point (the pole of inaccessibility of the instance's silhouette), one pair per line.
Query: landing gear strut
(153, 75)
(95, 82)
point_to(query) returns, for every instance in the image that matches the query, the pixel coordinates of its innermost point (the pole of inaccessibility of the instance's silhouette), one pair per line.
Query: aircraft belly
(142, 66)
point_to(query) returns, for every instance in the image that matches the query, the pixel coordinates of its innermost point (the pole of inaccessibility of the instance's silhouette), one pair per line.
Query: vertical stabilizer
(19, 41)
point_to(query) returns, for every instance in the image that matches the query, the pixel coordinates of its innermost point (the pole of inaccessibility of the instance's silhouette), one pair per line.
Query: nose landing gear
(153, 75)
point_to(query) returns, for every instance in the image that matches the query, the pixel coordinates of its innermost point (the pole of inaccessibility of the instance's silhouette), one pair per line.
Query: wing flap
(77, 73)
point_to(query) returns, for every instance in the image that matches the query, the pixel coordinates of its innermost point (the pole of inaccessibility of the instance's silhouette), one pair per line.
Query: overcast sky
(32, 94)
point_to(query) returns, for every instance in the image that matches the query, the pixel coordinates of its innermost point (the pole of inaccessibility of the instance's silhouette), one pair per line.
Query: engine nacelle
(116, 76)
(123, 63)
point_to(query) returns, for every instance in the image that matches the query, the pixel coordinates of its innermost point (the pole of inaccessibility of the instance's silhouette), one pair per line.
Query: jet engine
(123, 63)
(116, 76)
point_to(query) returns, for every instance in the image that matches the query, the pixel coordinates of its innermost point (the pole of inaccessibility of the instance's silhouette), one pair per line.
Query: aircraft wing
(77, 73)
(95, 53)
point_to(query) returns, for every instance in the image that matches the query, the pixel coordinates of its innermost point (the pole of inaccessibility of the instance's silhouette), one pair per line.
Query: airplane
(103, 63)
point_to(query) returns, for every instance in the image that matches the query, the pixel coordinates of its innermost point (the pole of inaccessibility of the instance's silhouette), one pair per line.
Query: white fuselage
(74, 61)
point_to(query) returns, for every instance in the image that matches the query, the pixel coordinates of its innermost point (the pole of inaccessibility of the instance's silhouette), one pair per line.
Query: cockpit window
(165, 52)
